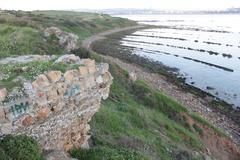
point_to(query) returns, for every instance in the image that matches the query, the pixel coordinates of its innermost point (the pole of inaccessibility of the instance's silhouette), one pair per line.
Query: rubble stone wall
(57, 107)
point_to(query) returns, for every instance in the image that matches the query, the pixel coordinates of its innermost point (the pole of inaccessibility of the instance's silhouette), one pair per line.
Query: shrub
(20, 147)
(3, 155)
(156, 100)
(81, 52)
(198, 129)
(105, 153)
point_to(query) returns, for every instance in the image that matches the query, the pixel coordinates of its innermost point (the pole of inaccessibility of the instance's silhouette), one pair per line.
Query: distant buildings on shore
(128, 11)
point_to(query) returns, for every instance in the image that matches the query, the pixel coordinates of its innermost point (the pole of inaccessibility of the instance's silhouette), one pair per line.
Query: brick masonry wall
(57, 107)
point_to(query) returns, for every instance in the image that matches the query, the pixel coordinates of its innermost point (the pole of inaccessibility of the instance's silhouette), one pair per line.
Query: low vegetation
(19, 148)
(22, 32)
(110, 46)
(137, 122)
(13, 73)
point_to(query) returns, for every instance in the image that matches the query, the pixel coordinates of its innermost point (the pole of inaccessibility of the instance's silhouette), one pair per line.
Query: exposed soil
(219, 147)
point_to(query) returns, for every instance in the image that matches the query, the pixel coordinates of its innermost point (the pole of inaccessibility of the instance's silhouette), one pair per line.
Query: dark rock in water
(227, 55)
(213, 53)
(229, 45)
(201, 50)
(210, 88)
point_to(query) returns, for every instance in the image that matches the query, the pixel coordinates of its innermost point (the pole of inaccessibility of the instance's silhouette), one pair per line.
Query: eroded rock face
(58, 155)
(57, 107)
(3, 94)
(67, 40)
(68, 58)
(26, 59)
(54, 76)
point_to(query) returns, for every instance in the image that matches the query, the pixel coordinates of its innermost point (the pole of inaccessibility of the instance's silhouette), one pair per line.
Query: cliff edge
(56, 107)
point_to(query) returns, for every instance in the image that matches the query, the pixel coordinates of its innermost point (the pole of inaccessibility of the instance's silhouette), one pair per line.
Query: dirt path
(192, 102)
(87, 43)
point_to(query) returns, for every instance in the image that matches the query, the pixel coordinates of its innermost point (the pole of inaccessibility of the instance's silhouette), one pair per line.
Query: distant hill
(22, 32)
(127, 11)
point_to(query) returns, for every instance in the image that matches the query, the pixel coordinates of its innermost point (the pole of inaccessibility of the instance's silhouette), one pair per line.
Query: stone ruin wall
(58, 106)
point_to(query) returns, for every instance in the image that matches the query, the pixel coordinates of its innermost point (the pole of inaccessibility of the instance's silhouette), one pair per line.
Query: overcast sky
(103, 4)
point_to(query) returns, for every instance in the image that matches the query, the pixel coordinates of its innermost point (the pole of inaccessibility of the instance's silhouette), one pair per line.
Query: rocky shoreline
(191, 101)
(218, 113)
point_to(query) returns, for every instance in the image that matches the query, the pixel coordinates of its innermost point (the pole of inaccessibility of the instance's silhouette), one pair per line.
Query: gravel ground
(191, 101)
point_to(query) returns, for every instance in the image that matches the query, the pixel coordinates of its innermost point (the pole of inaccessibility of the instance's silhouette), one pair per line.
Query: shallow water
(205, 49)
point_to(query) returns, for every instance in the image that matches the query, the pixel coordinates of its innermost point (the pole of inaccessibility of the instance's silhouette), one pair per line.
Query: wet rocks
(209, 88)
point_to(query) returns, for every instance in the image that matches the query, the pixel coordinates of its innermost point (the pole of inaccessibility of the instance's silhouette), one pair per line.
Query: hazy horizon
(123, 4)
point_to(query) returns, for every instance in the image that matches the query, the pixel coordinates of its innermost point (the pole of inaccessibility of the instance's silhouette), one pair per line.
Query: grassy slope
(22, 32)
(137, 122)
(110, 46)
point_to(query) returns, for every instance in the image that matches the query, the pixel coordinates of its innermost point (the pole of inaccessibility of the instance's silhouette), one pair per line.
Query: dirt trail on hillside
(191, 101)
(87, 43)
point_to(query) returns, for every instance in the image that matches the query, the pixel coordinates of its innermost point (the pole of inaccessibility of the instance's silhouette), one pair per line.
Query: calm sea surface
(205, 49)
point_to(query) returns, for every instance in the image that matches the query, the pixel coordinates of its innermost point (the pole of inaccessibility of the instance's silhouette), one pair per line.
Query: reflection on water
(205, 49)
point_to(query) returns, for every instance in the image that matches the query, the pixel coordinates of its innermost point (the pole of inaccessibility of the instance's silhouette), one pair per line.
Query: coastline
(192, 98)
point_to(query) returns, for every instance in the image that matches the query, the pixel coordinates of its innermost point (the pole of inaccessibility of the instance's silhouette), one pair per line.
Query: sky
(103, 4)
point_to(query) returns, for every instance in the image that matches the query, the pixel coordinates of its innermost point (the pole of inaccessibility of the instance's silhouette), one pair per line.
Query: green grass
(136, 122)
(110, 46)
(199, 119)
(142, 127)
(33, 69)
(22, 32)
(19, 147)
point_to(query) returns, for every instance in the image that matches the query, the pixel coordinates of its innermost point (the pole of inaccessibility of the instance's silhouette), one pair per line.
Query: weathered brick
(83, 70)
(2, 115)
(43, 113)
(91, 69)
(3, 94)
(54, 76)
(27, 120)
(41, 81)
(89, 62)
(70, 74)
(103, 68)
(107, 77)
(6, 128)
(60, 110)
